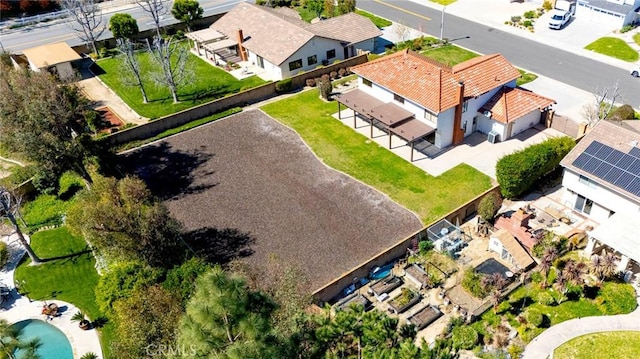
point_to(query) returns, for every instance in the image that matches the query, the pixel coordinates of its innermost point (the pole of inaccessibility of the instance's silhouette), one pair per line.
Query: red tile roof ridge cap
(474, 62)
(532, 93)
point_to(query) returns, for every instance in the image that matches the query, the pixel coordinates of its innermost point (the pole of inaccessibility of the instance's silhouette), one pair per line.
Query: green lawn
(208, 83)
(72, 279)
(636, 38)
(449, 55)
(525, 77)
(342, 148)
(595, 346)
(443, 2)
(614, 47)
(378, 21)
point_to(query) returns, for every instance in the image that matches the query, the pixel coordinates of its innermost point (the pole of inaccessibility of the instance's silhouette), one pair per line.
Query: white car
(635, 72)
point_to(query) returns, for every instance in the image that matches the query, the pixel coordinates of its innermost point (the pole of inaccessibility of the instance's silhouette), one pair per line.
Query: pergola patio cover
(359, 101)
(620, 232)
(390, 114)
(412, 130)
(222, 44)
(205, 35)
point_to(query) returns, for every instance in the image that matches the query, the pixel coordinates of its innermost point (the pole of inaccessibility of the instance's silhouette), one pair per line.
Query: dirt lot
(248, 186)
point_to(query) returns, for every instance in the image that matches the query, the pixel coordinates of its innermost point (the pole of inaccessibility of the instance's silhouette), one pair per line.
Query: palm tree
(550, 254)
(9, 343)
(597, 266)
(562, 285)
(609, 264)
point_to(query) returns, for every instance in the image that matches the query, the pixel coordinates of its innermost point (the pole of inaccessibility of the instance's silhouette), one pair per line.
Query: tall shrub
(519, 171)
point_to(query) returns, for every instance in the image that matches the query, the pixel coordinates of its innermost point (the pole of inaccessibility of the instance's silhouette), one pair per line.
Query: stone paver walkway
(543, 345)
(18, 308)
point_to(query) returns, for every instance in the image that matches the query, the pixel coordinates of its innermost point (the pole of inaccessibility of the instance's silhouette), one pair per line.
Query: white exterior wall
(316, 46)
(274, 71)
(32, 66)
(444, 132)
(473, 105)
(525, 122)
(604, 199)
(366, 45)
(65, 70)
(495, 245)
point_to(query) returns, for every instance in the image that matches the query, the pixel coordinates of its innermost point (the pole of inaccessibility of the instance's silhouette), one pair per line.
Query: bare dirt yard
(246, 186)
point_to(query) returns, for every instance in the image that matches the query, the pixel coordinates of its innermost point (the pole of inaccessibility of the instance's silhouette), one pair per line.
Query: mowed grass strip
(72, 279)
(614, 47)
(449, 55)
(206, 84)
(342, 148)
(623, 344)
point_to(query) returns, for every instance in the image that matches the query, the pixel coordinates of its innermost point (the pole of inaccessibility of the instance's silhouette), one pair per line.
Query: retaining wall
(332, 290)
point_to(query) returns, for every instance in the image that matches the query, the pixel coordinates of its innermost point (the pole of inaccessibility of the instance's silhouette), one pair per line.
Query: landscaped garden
(340, 147)
(207, 83)
(614, 47)
(623, 344)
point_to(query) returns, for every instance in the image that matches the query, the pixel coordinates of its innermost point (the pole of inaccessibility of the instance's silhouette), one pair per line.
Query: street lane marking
(403, 10)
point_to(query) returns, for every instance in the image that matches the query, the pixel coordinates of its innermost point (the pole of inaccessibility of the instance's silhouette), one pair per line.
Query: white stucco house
(55, 58)
(601, 180)
(616, 13)
(510, 250)
(280, 42)
(444, 104)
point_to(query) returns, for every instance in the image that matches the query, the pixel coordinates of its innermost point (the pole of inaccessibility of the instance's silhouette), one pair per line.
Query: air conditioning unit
(493, 137)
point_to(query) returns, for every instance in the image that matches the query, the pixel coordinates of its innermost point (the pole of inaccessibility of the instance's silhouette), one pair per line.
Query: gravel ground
(250, 187)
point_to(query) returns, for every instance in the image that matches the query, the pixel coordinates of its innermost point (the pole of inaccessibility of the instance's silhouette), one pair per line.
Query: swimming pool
(53, 343)
(381, 272)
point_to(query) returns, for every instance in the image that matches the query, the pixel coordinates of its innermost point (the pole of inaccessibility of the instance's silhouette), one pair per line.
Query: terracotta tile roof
(52, 54)
(349, 28)
(432, 84)
(609, 133)
(519, 254)
(509, 104)
(276, 34)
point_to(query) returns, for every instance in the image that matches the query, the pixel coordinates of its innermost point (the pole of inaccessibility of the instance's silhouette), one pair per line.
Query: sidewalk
(543, 345)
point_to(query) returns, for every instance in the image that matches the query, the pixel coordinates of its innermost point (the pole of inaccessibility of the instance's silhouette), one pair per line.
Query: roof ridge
(275, 15)
(473, 62)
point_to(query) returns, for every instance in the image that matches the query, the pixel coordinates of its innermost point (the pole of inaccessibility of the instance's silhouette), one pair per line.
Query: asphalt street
(60, 30)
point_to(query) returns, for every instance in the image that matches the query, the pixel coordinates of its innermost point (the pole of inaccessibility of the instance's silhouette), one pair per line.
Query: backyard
(207, 83)
(345, 150)
(68, 274)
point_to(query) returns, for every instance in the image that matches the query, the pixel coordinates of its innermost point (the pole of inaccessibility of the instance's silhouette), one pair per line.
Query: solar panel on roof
(593, 148)
(616, 167)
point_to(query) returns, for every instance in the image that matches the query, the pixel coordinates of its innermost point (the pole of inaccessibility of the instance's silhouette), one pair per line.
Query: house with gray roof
(280, 42)
(601, 181)
(618, 13)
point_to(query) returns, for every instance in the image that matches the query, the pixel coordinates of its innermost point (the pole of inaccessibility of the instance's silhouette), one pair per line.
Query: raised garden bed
(424, 317)
(385, 285)
(404, 301)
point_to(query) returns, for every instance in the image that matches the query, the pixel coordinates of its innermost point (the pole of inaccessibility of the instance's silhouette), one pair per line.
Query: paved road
(60, 30)
(560, 65)
(544, 344)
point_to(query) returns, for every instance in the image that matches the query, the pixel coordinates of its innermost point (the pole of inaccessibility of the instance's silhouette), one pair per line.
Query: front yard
(614, 47)
(340, 147)
(207, 83)
(614, 344)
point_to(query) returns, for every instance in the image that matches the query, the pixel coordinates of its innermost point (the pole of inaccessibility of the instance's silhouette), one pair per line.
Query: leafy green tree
(123, 26)
(346, 6)
(43, 120)
(181, 279)
(122, 220)
(225, 319)
(145, 320)
(317, 6)
(122, 280)
(187, 11)
(9, 343)
(489, 206)
(464, 337)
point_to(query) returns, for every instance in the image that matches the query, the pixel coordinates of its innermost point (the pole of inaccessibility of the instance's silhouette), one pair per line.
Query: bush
(89, 355)
(325, 87)
(624, 112)
(4, 254)
(464, 337)
(527, 23)
(342, 72)
(311, 82)
(544, 298)
(70, 183)
(616, 298)
(425, 246)
(283, 85)
(516, 19)
(626, 28)
(333, 75)
(531, 14)
(489, 206)
(45, 210)
(519, 171)
(547, 5)
(179, 35)
(534, 317)
(471, 281)
(181, 279)
(19, 175)
(122, 280)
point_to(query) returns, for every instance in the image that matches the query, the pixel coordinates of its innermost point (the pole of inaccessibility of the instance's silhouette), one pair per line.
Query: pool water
(53, 343)
(381, 272)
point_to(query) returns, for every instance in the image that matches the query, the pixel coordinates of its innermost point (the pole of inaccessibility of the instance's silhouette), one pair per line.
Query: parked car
(635, 71)
(561, 14)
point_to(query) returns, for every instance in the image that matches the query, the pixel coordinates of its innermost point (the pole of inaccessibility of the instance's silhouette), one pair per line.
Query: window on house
(294, 65)
(312, 60)
(583, 204)
(398, 98)
(366, 82)
(331, 54)
(428, 115)
(587, 181)
(465, 105)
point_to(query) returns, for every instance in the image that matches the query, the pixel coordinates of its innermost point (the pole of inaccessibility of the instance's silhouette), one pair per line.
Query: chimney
(241, 51)
(458, 132)
(520, 218)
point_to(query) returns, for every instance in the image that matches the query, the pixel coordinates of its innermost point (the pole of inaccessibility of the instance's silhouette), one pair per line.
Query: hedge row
(520, 170)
